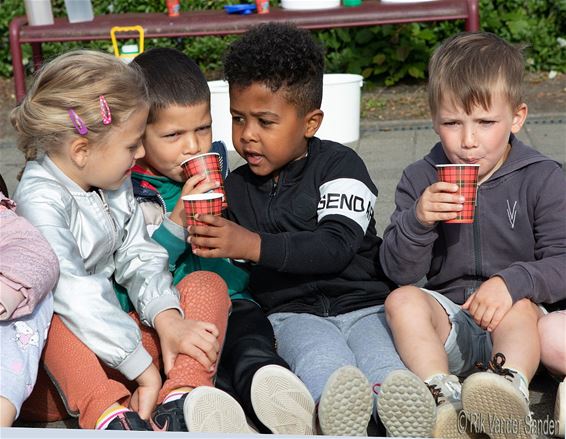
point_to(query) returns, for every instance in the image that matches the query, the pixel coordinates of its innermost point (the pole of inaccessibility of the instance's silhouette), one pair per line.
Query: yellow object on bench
(128, 51)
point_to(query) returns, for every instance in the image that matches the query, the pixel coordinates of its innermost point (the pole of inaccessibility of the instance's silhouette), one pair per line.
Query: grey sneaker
(447, 393)
(497, 399)
(282, 402)
(409, 407)
(346, 403)
(208, 409)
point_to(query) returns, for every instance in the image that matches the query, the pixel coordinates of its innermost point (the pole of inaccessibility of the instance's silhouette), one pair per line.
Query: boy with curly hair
(250, 372)
(302, 211)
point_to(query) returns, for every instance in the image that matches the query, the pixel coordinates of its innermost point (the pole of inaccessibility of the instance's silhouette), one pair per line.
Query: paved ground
(387, 148)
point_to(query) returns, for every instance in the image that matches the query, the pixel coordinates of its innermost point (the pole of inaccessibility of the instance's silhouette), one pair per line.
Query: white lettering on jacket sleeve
(348, 197)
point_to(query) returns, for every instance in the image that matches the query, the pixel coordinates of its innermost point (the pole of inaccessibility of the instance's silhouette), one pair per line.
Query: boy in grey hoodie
(484, 280)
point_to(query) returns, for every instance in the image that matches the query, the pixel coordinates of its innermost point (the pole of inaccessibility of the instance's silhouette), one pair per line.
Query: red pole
(17, 61)
(473, 21)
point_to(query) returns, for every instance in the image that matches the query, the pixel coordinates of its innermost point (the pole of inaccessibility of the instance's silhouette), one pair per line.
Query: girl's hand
(145, 396)
(222, 238)
(439, 203)
(197, 184)
(197, 339)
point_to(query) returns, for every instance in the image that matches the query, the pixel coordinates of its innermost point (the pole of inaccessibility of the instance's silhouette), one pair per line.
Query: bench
(218, 22)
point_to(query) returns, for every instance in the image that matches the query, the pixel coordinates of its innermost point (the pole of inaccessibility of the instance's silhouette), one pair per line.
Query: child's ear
(79, 151)
(313, 120)
(519, 117)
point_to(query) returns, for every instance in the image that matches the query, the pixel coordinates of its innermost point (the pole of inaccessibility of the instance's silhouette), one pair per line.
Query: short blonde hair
(470, 67)
(76, 80)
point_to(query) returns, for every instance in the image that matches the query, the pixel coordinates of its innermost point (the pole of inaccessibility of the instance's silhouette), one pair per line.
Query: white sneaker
(560, 408)
(346, 403)
(208, 409)
(498, 398)
(282, 402)
(409, 407)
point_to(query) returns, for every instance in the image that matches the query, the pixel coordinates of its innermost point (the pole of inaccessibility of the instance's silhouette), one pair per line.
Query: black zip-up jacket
(319, 247)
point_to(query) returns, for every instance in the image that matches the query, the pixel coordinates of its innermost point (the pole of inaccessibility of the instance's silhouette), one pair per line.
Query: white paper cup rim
(200, 197)
(458, 165)
(200, 155)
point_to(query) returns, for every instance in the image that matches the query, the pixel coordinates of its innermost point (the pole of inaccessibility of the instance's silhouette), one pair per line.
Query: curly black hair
(281, 56)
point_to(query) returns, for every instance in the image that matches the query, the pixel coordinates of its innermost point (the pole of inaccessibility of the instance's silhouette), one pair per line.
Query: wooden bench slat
(218, 22)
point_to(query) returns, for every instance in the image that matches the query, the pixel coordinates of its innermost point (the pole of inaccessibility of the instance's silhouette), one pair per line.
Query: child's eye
(171, 135)
(487, 122)
(265, 122)
(204, 129)
(449, 123)
(237, 119)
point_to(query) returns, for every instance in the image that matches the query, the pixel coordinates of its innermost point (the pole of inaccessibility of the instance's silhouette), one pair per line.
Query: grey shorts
(467, 342)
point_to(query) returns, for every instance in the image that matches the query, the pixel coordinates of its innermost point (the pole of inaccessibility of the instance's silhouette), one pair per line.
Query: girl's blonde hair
(76, 80)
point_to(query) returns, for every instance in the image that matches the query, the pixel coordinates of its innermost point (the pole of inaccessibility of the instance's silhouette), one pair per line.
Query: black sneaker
(169, 416)
(128, 421)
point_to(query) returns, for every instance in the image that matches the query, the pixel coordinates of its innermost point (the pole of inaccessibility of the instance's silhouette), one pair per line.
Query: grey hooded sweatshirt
(519, 231)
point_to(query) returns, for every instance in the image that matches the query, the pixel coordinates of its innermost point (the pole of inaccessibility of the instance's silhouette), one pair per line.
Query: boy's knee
(402, 299)
(551, 332)
(527, 308)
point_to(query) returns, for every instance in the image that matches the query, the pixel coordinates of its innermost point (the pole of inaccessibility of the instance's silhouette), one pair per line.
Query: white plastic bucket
(220, 109)
(341, 97)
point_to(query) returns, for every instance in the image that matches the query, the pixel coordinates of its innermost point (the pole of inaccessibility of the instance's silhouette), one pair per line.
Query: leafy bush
(388, 54)
(382, 54)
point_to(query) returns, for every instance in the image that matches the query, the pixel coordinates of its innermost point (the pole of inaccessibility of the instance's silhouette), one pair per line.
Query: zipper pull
(103, 198)
(273, 189)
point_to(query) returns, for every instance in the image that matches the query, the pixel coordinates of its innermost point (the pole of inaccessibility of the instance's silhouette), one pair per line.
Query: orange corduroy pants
(74, 381)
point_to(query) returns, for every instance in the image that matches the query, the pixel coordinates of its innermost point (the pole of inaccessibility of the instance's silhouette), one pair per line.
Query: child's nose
(469, 140)
(248, 133)
(191, 146)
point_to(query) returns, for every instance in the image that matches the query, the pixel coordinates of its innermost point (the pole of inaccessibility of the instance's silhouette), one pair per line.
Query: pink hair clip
(79, 124)
(105, 111)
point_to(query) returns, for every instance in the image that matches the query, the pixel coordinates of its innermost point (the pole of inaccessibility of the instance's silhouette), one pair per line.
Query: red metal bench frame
(217, 22)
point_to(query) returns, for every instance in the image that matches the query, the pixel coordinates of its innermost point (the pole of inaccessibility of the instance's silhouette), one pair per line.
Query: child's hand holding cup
(466, 177)
(201, 204)
(208, 165)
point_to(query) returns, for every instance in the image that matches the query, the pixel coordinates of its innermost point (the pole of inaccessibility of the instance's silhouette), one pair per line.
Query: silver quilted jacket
(97, 235)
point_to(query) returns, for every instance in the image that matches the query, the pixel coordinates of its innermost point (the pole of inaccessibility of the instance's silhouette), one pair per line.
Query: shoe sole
(208, 409)
(345, 404)
(450, 425)
(560, 408)
(406, 406)
(282, 402)
(495, 406)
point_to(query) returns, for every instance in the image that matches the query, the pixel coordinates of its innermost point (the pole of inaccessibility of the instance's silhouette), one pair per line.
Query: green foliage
(389, 54)
(382, 54)
(207, 51)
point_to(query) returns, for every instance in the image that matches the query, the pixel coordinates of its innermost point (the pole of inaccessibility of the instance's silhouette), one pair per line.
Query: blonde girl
(87, 111)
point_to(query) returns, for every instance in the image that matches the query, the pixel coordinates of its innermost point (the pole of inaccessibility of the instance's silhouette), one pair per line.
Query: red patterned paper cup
(466, 177)
(209, 165)
(203, 204)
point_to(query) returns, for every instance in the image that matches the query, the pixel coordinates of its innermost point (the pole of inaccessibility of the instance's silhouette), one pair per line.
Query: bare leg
(420, 326)
(514, 338)
(552, 332)
(7, 412)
